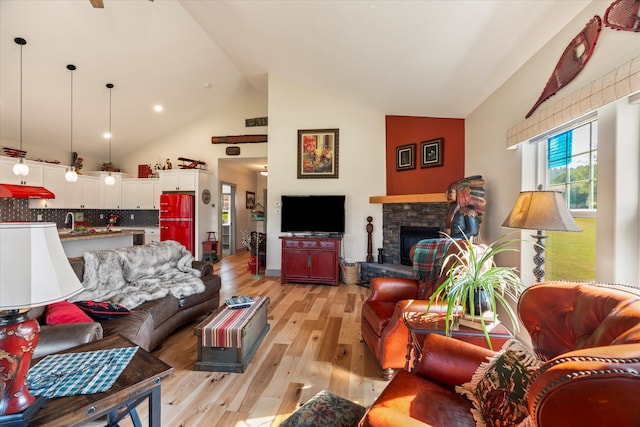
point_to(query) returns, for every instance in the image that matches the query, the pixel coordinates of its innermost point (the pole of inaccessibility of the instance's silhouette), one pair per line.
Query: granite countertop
(98, 234)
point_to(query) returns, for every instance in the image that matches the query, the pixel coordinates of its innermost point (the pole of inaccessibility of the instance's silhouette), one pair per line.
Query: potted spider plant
(475, 283)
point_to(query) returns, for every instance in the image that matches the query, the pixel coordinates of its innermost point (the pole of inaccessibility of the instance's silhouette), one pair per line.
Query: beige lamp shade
(34, 269)
(541, 210)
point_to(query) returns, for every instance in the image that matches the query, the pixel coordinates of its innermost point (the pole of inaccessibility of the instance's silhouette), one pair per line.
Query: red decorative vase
(18, 339)
(253, 263)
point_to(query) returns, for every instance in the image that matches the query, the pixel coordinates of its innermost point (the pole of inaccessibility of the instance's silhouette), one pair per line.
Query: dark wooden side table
(140, 381)
(420, 324)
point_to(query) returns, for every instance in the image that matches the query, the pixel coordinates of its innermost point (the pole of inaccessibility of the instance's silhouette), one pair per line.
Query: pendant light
(71, 175)
(265, 172)
(109, 180)
(20, 168)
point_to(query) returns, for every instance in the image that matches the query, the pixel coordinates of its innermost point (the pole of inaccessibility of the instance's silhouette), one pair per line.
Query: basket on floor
(350, 273)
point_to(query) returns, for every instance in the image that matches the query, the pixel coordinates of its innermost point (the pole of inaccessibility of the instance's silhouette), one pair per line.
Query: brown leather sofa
(589, 336)
(147, 325)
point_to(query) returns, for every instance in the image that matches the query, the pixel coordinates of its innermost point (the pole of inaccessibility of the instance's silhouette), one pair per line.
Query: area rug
(325, 409)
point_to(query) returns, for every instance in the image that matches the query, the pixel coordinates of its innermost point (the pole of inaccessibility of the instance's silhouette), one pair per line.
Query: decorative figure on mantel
(466, 207)
(167, 165)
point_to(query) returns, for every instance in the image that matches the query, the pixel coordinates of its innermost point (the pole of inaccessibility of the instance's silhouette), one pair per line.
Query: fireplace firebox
(410, 235)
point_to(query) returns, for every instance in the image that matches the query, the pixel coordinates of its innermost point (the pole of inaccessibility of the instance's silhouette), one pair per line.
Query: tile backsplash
(18, 210)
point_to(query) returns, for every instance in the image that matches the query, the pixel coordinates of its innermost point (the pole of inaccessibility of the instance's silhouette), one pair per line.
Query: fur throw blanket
(132, 275)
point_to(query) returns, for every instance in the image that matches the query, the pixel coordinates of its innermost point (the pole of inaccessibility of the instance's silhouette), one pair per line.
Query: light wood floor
(314, 343)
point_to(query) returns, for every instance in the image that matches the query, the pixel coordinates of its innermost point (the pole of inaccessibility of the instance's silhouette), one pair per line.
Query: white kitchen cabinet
(53, 180)
(140, 193)
(157, 191)
(84, 193)
(179, 180)
(110, 195)
(7, 176)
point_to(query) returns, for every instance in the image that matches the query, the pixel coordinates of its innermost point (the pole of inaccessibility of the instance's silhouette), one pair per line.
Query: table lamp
(34, 271)
(540, 210)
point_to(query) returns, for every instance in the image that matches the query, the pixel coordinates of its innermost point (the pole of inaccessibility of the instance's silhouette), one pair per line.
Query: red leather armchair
(588, 333)
(381, 324)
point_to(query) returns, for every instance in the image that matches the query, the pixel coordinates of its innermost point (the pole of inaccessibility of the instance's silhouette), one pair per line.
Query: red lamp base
(18, 339)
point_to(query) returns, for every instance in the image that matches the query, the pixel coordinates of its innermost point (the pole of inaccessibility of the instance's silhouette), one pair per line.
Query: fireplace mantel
(410, 198)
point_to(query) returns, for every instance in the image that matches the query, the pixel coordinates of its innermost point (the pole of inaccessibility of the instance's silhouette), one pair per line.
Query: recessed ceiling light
(206, 85)
(158, 108)
(106, 135)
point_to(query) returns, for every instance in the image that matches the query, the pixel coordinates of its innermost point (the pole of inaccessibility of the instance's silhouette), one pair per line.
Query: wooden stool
(211, 245)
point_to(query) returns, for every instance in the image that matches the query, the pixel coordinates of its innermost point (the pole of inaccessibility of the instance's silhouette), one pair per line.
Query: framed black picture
(431, 153)
(251, 200)
(406, 157)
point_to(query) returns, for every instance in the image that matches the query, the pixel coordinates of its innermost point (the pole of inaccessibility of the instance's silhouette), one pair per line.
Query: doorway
(228, 218)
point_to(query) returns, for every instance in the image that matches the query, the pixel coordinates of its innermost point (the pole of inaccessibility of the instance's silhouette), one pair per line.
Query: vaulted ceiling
(436, 58)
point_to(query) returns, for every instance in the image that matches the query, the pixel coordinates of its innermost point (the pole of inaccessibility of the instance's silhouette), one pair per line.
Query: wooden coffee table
(140, 381)
(421, 324)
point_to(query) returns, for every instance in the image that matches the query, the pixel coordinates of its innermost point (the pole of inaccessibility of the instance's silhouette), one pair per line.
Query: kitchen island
(75, 244)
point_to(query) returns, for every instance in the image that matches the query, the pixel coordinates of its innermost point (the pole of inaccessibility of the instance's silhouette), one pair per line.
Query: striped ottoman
(228, 338)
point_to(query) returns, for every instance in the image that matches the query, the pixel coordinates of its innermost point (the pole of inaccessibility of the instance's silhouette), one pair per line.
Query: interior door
(228, 218)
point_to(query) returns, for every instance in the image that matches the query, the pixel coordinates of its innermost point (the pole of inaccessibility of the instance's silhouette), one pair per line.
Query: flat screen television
(313, 214)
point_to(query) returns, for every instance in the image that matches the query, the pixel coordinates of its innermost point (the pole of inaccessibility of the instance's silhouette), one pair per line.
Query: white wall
(244, 180)
(486, 127)
(361, 162)
(193, 139)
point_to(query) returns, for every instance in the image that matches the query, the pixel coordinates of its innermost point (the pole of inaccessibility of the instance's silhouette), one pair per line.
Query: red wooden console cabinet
(310, 260)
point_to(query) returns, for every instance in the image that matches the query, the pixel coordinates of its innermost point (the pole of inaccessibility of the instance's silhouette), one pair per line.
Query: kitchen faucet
(73, 220)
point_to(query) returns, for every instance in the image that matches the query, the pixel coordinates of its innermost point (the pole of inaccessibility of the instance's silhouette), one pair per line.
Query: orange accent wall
(403, 130)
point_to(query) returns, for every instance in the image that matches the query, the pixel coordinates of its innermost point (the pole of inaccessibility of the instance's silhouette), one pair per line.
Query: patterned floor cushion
(325, 409)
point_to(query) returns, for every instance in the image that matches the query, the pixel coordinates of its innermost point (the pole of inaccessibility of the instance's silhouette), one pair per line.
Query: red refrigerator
(177, 217)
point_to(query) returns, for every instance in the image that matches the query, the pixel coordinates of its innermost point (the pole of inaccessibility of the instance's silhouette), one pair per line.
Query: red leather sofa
(589, 336)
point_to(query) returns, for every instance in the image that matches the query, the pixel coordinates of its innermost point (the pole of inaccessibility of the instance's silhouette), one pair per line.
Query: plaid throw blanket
(428, 258)
(225, 329)
(68, 374)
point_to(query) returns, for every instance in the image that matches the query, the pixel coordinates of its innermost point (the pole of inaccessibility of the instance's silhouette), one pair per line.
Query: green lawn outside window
(572, 256)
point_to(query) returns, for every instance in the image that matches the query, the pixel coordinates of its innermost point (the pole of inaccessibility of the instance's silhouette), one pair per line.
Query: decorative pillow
(102, 310)
(498, 389)
(325, 409)
(65, 312)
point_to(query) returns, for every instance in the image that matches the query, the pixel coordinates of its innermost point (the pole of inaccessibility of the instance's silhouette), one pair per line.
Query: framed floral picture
(318, 153)
(431, 153)
(406, 157)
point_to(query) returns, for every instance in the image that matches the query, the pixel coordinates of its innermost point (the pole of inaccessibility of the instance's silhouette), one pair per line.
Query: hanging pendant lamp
(20, 168)
(71, 175)
(109, 180)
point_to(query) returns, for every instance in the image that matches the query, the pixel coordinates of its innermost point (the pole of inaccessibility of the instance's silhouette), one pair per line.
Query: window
(572, 166)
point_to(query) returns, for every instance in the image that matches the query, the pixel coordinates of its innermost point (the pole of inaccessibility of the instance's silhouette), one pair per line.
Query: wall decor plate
(232, 151)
